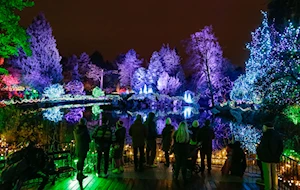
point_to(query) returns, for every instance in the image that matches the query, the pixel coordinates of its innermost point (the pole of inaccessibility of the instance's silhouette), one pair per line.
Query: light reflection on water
(71, 115)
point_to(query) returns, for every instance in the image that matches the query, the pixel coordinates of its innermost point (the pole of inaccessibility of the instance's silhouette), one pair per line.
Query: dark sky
(115, 26)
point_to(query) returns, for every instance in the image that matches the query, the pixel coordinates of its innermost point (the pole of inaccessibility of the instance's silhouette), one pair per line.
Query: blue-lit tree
(54, 91)
(139, 79)
(273, 69)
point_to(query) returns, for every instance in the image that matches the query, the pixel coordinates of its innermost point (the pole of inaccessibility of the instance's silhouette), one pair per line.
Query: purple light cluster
(74, 115)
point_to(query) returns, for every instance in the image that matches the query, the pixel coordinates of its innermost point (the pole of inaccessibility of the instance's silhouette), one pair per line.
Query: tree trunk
(209, 84)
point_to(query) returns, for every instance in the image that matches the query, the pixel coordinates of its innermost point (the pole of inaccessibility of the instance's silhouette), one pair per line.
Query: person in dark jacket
(269, 152)
(82, 141)
(103, 139)
(167, 139)
(205, 136)
(151, 140)
(138, 132)
(120, 134)
(238, 162)
(181, 139)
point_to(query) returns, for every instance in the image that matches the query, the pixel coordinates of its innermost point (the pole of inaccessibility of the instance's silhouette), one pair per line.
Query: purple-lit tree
(205, 59)
(128, 66)
(75, 87)
(155, 68)
(43, 68)
(223, 135)
(170, 60)
(168, 85)
(95, 73)
(83, 62)
(139, 79)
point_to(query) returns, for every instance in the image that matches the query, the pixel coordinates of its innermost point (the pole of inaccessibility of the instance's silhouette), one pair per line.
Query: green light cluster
(96, 110)
(293, 113)
(98, 92)
(292, 154)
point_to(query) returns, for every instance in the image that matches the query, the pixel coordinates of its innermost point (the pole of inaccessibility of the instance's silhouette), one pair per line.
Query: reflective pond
(55, 124)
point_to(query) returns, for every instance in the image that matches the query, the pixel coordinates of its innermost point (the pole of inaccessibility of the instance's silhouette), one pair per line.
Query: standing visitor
(269, 152)
(138, 132)
(181, 139)
(227, 165)
(167, 139)
(206, 135)
(238, 163)
(151, 140)
(82, 141)
(103, 140)
(119, 147)
(194, 142)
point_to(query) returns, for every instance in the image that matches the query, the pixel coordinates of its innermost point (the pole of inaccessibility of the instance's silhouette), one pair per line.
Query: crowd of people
(185, 142)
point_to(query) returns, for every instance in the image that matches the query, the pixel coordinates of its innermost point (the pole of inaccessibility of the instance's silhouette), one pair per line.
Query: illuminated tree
(54, 91)
(205, 60)
(75, 87)
(273, 69)
(95, 73)
(139, 79)
(168, 85)
(12, 36)
(83, 62)
(155, 68)
(43, 68)
(248, 135)
(170, 60)
(128, 66)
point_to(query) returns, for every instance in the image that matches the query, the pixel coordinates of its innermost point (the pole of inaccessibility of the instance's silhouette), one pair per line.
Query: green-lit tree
(12, 36)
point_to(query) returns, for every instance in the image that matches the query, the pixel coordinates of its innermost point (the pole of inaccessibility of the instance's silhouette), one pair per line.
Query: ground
(158, 178)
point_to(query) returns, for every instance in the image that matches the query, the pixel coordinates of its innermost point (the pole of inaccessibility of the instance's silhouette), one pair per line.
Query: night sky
(115, 26)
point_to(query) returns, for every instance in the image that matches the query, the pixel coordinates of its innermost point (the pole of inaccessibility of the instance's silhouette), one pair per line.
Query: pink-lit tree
(128, 66)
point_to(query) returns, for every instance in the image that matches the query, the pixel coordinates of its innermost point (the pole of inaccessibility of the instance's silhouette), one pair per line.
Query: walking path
(158, 178)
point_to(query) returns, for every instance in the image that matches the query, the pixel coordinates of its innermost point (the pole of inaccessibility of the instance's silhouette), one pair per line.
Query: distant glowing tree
(170, 60)
(95, 73)
(71, 69)
(43, 68)
(155, 68)
(128, 66)
(75, 87)
(168, 85)
(83, 62)
(54, 91)
(205, 59)
(139, 79)
(12, 36)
